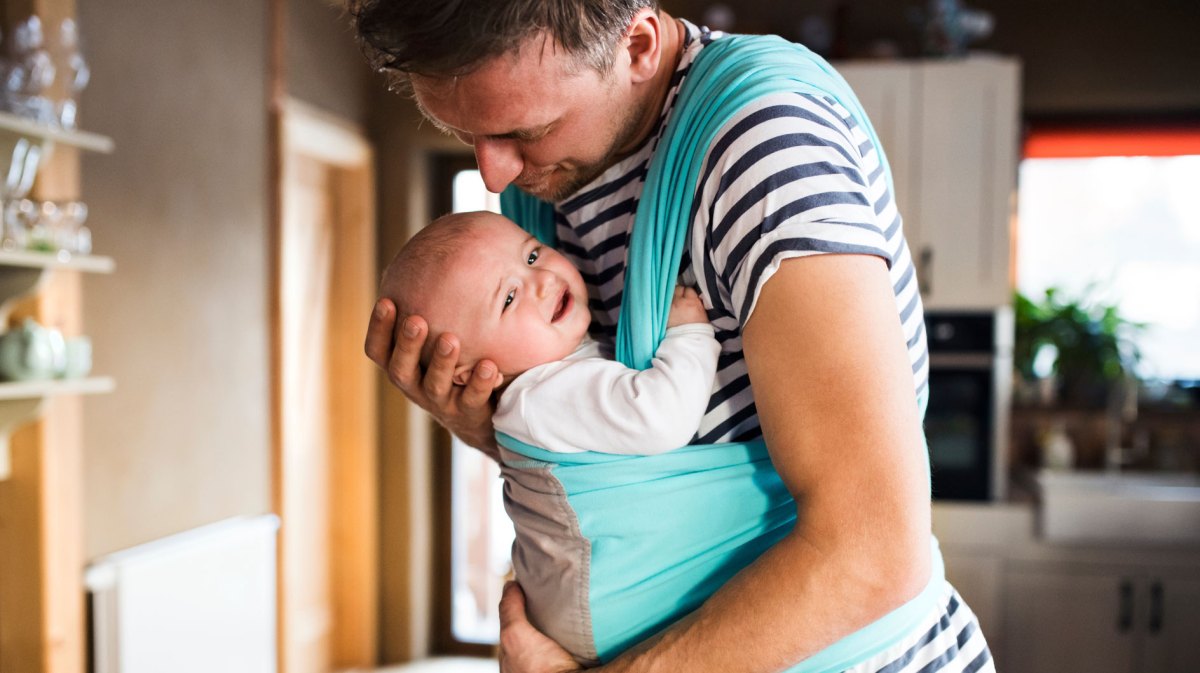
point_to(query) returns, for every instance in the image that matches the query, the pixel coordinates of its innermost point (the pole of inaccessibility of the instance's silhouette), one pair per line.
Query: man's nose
(499, 162)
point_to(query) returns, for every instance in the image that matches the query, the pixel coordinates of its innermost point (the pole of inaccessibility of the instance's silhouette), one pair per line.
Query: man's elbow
(900, 573)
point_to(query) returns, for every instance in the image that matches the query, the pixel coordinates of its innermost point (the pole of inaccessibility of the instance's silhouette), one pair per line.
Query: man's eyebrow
(527, 134)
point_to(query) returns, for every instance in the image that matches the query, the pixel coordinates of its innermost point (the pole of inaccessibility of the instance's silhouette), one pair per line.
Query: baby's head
(480, 277)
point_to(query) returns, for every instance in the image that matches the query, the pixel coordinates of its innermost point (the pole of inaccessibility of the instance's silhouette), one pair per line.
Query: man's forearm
(791, 603)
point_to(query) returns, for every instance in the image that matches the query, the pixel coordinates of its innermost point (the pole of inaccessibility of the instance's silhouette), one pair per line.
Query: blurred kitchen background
(199, 470)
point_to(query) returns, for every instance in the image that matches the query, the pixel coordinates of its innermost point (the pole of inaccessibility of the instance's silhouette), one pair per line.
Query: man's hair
(449, 38)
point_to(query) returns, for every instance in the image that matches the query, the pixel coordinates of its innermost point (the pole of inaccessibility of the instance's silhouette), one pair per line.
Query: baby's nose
(545, 283)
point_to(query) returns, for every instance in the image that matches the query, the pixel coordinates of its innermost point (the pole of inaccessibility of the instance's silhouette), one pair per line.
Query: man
(797, 249)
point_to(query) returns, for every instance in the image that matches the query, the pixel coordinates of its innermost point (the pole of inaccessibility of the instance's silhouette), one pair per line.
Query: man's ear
(462, 374)
(644, 43)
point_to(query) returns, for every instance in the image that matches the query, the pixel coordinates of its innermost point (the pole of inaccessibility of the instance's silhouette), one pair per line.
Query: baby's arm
(601, 405)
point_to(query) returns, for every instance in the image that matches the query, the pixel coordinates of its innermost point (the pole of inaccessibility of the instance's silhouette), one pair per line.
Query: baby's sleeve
(600, 405)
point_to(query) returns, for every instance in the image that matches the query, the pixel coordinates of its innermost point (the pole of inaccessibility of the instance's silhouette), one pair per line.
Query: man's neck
(657, 87)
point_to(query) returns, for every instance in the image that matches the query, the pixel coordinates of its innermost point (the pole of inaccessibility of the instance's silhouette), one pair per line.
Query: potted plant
(1088, 344)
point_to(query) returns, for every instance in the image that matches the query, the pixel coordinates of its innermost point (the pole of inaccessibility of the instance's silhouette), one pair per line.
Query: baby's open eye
(533, 255)
(508, 298)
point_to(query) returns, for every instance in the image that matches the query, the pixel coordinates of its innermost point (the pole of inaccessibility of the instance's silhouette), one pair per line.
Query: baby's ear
(462, 374)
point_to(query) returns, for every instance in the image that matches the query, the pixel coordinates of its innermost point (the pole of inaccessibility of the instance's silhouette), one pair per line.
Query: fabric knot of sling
(611, 549)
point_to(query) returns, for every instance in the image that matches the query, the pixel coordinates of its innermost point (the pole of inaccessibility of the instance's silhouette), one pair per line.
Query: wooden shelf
(47, 260)
(17, 125)
(21, 402)
(22, 390)
(21, 273)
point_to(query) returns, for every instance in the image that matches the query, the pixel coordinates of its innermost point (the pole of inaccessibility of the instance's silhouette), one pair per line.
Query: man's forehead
(516, 88)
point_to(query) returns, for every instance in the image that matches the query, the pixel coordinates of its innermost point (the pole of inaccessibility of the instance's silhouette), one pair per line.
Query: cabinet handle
(925, 268)
(1156, 607)
(1125, 614)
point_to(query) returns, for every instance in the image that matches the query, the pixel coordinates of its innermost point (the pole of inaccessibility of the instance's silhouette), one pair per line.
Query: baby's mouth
(564, 305)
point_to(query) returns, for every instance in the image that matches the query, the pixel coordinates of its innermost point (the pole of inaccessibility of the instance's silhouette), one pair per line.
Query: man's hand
(465, 411)
(686, 308)
(524, 649)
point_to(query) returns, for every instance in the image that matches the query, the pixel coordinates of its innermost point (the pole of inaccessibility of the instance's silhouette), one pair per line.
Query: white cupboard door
(886, 91)
(1172, 627)
(967, 115)
(1068, 618)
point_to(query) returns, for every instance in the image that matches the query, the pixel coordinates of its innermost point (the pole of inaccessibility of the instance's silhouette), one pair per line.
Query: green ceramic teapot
(31, 352)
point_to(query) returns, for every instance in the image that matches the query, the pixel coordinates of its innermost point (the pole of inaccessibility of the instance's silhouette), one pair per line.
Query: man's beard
(583, 175)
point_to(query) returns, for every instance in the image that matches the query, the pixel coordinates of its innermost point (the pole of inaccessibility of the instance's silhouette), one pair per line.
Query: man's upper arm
(833, 387)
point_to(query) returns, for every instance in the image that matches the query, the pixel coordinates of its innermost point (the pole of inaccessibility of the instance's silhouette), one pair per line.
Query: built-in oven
(970, 383)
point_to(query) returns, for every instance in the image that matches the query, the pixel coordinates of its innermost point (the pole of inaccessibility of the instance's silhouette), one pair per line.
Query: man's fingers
(524, 649)
(378, 345)
(512, 606)
(439, 377)
(477, 395)
(404, 368)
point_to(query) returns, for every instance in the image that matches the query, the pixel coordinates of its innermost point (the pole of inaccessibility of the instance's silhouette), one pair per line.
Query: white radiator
(198, 602)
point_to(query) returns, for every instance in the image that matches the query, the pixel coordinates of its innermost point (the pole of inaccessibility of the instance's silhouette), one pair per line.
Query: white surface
(1100, 507)
(196, 602)
(446, 665)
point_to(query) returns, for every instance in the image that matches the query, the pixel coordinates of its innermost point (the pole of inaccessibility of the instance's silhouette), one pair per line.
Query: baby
(522, 305)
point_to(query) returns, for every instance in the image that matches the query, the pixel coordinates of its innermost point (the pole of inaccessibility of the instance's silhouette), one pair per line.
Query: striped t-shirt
(791, 175)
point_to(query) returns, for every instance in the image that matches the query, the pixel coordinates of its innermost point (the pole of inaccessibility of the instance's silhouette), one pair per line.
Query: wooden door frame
(298, 128)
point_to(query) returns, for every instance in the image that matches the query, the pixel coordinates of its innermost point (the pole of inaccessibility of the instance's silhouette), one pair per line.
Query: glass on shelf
(46, 226)
(28, 72)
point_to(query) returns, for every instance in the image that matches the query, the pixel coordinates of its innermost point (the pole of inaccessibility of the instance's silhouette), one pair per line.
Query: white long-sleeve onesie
(585, 402)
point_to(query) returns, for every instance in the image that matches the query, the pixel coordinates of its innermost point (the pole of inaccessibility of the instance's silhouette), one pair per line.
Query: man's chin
(557, 186)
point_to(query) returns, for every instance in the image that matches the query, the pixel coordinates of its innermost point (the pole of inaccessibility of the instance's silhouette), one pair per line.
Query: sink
(1132, 507)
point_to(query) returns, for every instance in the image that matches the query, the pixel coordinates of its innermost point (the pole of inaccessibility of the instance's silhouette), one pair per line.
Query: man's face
(509, 299)
(536, 122)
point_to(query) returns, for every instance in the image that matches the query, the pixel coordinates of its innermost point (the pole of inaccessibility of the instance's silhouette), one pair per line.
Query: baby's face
(510, 299)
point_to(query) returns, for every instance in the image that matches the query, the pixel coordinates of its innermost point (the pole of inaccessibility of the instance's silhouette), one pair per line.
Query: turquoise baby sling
(666, 531)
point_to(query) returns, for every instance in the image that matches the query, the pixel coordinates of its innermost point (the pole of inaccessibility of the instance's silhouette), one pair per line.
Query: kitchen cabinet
(1100, 618)
(950, 131)
(1172, 640)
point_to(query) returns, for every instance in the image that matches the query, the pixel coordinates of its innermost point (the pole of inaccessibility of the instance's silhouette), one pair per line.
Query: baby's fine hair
(410, 275)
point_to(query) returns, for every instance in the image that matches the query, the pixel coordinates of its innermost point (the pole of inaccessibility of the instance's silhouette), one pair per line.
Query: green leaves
(1094, 342)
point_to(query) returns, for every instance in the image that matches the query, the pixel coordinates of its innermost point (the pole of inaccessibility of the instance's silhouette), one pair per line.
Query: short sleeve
(793, 175)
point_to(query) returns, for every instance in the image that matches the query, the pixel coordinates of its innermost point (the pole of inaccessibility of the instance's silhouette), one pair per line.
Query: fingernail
(410, 328)
(486, 371)
(444, 347)
(381, 309)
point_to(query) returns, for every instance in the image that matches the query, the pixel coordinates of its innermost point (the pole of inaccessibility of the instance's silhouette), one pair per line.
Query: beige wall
(182, 324)
(182, 207)
(324, 66)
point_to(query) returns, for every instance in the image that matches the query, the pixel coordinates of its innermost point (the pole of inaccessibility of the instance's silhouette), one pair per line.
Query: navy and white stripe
(792, 175)
(948, 640)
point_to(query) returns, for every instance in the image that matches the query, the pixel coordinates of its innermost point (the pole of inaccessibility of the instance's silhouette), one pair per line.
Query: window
(474, 536)
(1113, 209)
